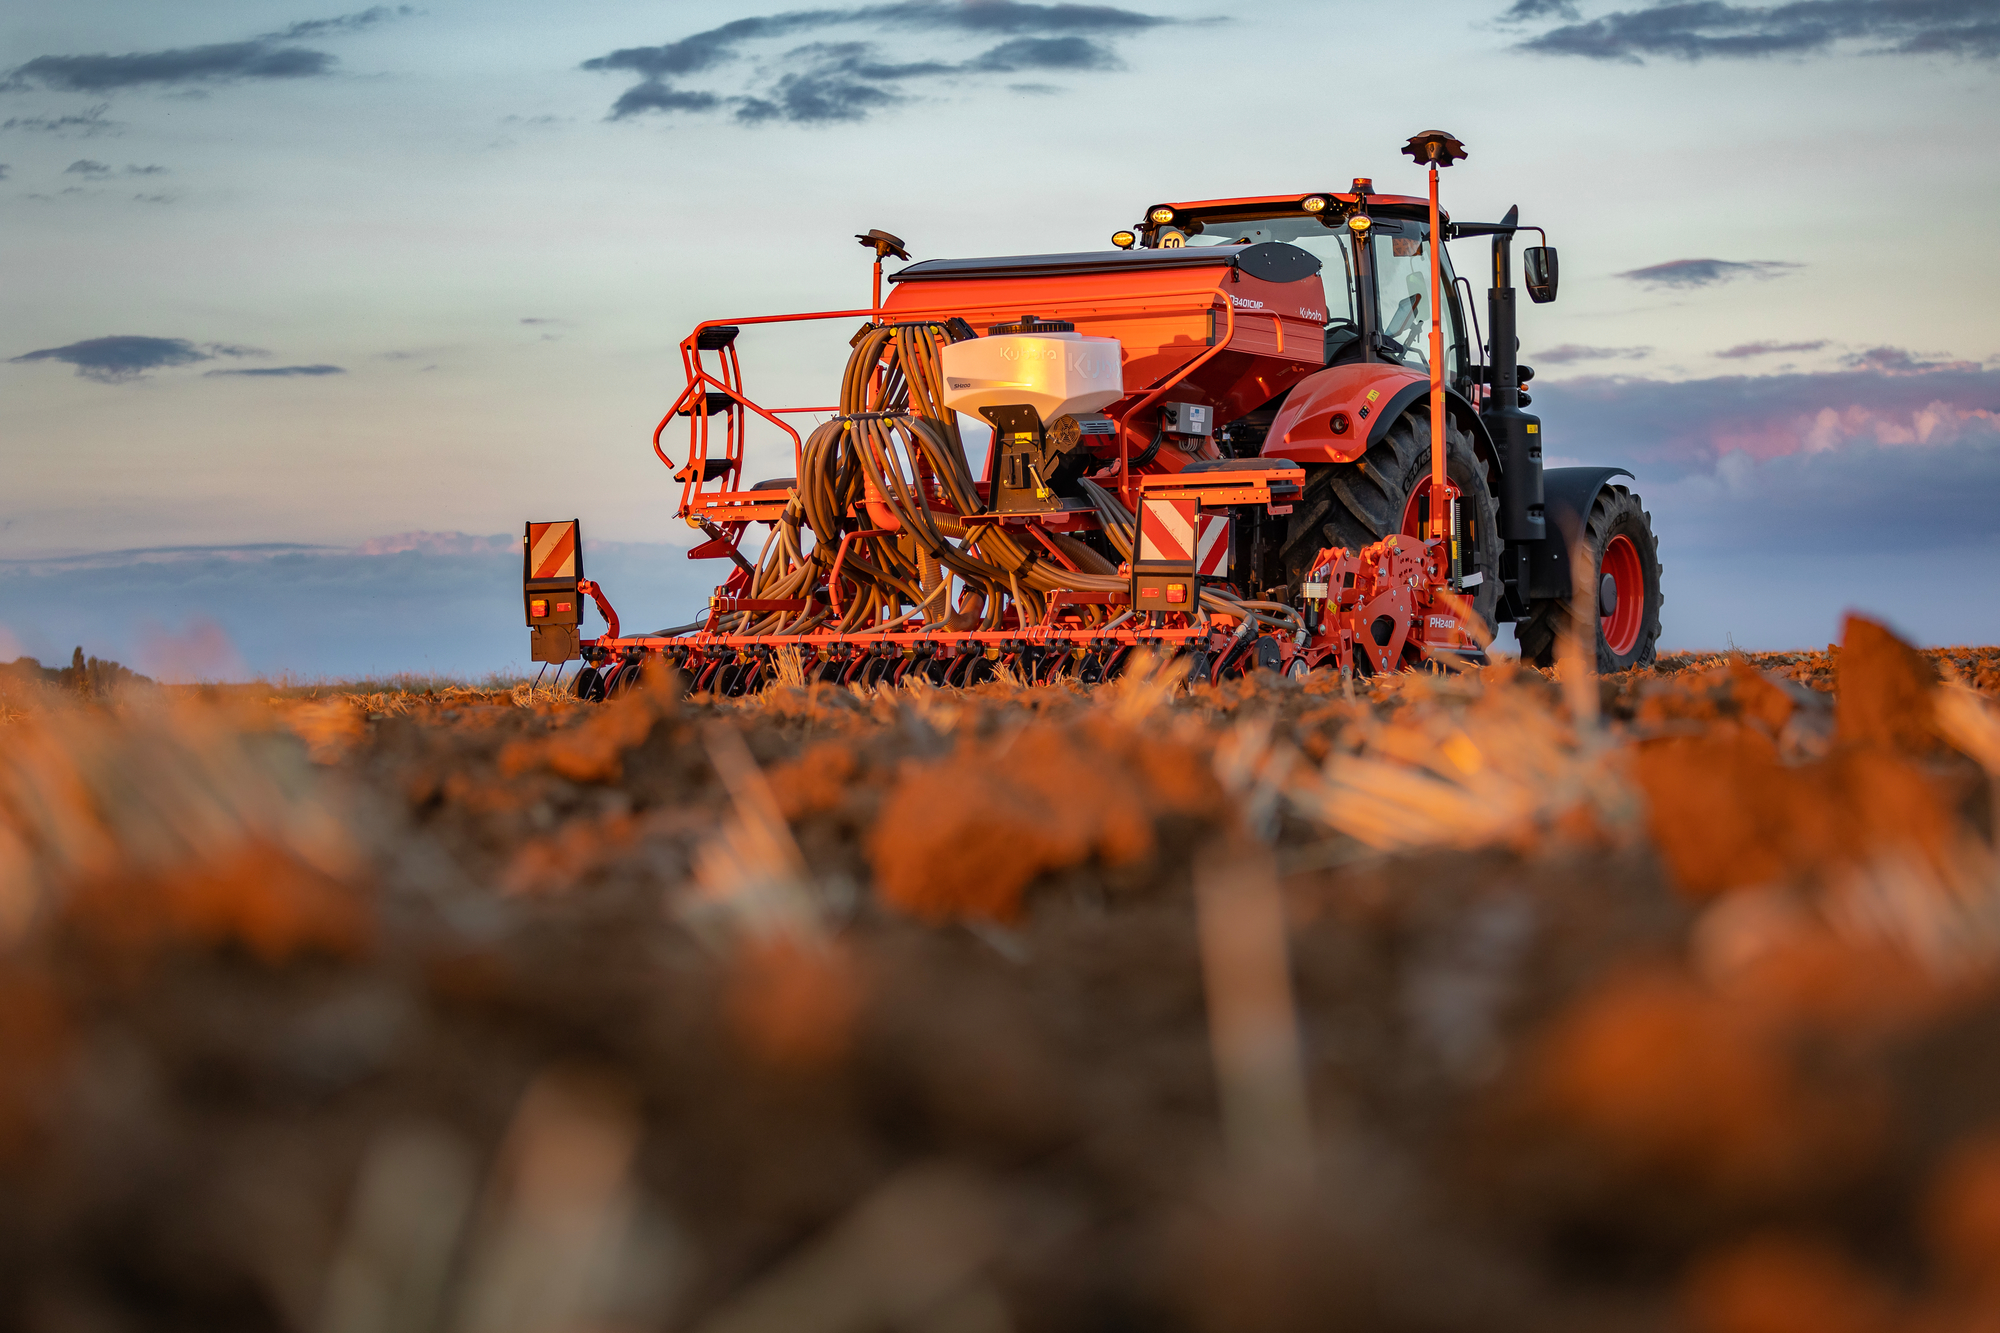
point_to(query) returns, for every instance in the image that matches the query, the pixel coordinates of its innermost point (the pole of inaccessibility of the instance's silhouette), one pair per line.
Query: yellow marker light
(1359, 223)
(1124, 240)
(1161, 215)
(1313, 203)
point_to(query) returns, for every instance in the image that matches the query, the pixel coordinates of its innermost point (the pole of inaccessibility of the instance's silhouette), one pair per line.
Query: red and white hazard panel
(1211, 549)
(1167, 529)
(552, 550)
(1177, 531)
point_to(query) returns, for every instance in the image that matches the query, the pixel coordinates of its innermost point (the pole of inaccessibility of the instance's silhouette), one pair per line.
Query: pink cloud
(201, 651)
(1887, 397)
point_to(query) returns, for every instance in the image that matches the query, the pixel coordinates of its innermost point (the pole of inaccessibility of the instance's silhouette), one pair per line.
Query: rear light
(1177, 592)
(1339, 423)
(538, 607)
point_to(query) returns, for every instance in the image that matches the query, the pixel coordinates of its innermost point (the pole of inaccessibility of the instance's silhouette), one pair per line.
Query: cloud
(1902, 361)
(1744, 350)
(85, 167)
(1573, 352)
(1858, 497)
(1713, 29)
(342, 24)
(815, 98)
(1887, 398)
(4, 170)
(263, 57)
(123, 357)
(1045, 53)
(281, 371)
(257, 59)
(1707, 272)
(1779, 500)
(1524, 11)
(86, 124)
(654, 96)
(145, 171)
(1769, 552)
(821, 82)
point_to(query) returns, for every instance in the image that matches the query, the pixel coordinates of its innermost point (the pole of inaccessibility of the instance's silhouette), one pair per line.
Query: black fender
(1569, 493)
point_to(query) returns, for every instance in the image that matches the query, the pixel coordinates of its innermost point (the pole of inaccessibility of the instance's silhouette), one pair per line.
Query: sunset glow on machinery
(1258, 432)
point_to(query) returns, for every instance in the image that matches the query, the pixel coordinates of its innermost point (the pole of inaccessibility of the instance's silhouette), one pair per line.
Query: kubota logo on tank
(1319, 315)
(1079, 363)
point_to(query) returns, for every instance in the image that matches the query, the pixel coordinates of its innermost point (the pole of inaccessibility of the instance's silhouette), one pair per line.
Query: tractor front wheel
(1624, 573)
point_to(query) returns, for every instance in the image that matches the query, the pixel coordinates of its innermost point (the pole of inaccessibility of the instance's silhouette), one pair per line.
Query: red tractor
(1256, 433)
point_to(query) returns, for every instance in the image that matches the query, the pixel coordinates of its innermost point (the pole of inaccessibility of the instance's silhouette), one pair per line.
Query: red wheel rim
(1621, 564)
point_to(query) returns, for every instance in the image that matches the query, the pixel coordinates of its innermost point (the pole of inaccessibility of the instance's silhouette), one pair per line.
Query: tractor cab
(1383, 288)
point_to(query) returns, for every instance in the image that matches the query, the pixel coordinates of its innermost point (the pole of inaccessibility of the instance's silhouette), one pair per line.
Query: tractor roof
(1283, 205)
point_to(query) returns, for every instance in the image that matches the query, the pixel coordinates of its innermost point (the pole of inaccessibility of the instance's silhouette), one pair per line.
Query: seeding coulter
(1259, 432)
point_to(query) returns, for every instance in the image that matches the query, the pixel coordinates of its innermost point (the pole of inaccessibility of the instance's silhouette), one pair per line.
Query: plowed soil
(1492, 1001)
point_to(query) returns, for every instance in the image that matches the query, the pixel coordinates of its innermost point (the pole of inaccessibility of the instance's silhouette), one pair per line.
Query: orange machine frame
(1206, 332)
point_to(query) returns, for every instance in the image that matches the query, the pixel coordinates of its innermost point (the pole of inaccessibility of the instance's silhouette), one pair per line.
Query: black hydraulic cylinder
(1516, 434)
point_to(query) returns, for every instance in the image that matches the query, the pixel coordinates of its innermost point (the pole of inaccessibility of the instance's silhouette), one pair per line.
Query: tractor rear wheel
(1625, 570)
(1386, 491)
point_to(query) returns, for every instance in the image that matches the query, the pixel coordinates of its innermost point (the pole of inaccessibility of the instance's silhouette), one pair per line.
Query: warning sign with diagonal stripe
(552, 550)
(1167, 529)
(1211, 558)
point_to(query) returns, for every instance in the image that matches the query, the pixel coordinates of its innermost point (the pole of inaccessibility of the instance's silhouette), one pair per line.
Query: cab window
(1403, 290)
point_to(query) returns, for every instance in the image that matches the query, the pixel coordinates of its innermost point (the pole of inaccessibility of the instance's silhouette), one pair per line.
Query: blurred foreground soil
(1494, 1001)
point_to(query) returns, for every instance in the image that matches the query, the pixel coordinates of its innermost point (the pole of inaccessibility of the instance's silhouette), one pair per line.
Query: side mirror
(1538, 266)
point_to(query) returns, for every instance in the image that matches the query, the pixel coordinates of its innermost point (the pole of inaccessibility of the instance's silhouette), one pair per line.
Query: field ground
(1494, 1001)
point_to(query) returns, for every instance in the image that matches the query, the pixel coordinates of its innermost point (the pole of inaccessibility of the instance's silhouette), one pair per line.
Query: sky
(303, 312)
